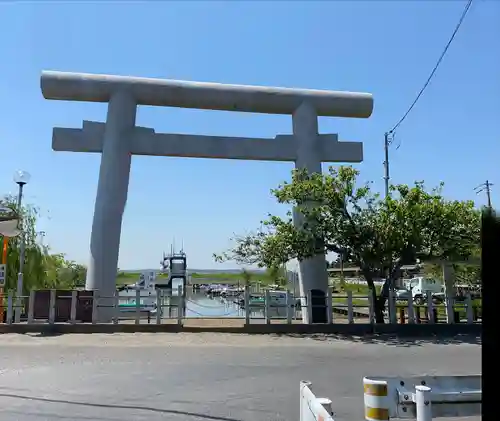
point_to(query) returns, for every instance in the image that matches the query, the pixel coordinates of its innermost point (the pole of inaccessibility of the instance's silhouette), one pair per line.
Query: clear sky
(386, 48)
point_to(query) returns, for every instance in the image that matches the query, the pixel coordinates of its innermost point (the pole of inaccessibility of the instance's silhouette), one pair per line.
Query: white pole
(371, 308)
(267, 303)
(22, 252)
(31, 306)
(423, 403)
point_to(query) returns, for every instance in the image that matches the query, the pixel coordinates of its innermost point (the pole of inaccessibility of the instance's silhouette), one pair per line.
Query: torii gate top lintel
(203, 95)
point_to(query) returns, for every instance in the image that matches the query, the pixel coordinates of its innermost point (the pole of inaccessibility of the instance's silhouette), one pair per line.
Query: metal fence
(165, 307)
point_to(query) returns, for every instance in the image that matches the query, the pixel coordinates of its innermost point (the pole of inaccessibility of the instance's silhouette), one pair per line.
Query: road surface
(204, 376)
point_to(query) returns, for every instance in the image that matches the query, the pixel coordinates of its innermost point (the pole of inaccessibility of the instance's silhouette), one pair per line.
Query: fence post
(290, 307)
(267, 299)
(246, 299)
(137, 306)
(371, 309)
(180, 305)
(470, 314)
(393, 317)
(116, 307)
(450, 316)
(309, 308)
(19, 300)
(329, 306)
(350, 315)
(31, 307)
(423, 403)
(95, 302)
(430, 308)
(52, 307)
(72, 314)
(376, 399)
(411, 310)
(10, 308)
(159, 307)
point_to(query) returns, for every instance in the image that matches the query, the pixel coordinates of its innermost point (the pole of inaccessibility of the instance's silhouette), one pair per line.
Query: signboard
(3, 269)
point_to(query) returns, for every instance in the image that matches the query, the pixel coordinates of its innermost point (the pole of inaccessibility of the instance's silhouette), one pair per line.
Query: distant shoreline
(200, 271)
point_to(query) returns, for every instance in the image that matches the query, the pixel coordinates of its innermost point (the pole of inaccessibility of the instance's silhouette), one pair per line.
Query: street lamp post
(21, 178)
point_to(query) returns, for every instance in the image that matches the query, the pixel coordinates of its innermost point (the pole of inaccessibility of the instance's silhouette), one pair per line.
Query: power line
(389, 136)
(459, 24)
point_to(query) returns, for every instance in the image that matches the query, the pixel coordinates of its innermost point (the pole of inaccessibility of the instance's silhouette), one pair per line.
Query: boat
(231, 292)
(277, 299)
(127, 294)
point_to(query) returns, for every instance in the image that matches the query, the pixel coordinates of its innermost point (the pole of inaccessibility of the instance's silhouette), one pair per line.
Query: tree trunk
(378, 302)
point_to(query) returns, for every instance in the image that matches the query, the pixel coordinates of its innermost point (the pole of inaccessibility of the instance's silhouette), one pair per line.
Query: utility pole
(485, 187)
(387, 142)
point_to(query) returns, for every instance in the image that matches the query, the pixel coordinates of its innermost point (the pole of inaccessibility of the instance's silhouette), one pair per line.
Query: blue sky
(386, 48)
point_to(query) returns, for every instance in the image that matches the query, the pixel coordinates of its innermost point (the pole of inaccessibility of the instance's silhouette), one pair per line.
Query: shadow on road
(399, 341)
(128, 407)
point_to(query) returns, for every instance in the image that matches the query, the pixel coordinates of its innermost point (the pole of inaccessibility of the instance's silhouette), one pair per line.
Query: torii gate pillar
(119, 138)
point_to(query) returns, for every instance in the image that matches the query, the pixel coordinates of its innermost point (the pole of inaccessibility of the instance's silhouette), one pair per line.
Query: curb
(360, 329)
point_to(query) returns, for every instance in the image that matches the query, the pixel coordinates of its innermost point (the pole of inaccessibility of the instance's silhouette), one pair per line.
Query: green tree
(277, 274)
(378, 235)
(247, 276)
(41, 268)
(34, 263)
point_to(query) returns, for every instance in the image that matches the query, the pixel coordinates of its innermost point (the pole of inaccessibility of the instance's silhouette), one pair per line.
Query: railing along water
(346, 308)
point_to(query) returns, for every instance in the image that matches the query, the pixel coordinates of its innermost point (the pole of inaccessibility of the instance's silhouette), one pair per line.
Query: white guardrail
(422, 398)
(313, 408)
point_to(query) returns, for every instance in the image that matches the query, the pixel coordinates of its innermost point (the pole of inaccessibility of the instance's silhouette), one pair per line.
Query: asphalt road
(206, 376)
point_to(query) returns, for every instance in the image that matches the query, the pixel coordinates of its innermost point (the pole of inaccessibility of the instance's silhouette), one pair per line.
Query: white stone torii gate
(119, 138)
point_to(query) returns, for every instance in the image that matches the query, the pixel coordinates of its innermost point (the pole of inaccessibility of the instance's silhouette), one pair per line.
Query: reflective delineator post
(376, 400)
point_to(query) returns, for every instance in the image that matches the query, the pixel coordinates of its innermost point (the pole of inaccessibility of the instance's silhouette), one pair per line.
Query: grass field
(215, 278)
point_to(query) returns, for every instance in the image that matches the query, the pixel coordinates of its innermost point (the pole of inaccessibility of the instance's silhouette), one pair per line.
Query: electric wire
(426, 84)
